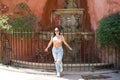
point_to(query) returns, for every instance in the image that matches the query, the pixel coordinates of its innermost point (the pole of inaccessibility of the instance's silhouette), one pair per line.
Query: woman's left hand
(70, 48)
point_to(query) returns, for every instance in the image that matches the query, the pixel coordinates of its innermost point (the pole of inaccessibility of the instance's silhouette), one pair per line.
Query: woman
(57, 49)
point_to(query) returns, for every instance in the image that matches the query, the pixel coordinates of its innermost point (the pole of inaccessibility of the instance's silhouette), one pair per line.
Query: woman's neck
(57, 34)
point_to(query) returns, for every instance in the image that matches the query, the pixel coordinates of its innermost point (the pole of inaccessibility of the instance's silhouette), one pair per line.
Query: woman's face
(56, 31)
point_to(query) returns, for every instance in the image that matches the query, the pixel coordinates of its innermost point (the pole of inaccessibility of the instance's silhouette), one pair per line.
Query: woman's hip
(58, 49)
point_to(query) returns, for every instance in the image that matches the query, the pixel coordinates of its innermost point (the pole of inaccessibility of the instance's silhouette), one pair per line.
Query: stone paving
(12, 73)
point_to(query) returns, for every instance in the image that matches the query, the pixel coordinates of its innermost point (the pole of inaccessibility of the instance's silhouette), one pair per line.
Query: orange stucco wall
(42, 8)
(100, 8)
(36, 6)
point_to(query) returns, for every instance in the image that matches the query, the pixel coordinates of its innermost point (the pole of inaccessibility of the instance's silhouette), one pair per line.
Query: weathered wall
(42, 8)
(100, 8)
(46, 16)
(36, 6)
(83, 4)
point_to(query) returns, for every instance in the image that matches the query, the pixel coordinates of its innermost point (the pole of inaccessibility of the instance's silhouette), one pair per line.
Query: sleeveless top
(56, 38)
(57, 41)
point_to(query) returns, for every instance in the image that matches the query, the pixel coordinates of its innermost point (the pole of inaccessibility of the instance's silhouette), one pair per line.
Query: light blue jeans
(58, 55)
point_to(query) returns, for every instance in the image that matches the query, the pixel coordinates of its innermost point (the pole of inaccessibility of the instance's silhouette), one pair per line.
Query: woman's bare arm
(63, 39)
(49, 44)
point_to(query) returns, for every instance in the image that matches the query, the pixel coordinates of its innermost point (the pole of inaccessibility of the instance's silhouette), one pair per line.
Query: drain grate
(88, 77)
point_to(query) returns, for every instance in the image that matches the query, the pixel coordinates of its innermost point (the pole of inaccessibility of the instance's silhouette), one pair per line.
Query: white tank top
(55, 38)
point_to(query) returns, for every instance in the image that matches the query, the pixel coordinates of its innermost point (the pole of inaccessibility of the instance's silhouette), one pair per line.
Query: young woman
(57, 49)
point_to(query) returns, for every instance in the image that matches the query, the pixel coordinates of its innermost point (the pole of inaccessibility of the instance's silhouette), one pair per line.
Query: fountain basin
(69, 11)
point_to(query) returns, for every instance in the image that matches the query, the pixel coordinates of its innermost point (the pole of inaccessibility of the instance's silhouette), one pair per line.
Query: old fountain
(71, 21)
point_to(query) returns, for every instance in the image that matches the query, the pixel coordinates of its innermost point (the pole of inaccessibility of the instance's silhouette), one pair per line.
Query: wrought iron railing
(26, 49)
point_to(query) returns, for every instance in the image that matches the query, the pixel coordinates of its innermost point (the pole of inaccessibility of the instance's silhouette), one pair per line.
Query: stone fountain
(71, 22)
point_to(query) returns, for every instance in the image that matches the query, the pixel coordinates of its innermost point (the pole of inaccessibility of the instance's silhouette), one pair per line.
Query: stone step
(51, 66)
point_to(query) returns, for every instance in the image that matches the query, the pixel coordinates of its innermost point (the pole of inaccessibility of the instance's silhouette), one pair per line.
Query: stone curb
(43, 72)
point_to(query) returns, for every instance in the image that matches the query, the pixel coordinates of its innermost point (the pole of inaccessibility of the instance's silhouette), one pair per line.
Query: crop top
(55, 38)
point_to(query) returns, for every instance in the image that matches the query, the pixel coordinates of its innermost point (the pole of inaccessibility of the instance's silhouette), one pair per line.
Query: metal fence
(26, 49)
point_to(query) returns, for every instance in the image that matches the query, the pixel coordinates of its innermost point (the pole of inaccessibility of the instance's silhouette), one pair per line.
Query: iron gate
(26, 49)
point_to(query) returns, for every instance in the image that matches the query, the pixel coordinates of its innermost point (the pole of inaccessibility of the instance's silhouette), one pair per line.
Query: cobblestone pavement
(8, 73)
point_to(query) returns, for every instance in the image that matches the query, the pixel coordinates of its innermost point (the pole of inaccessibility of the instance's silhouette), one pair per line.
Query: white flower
(4, 22)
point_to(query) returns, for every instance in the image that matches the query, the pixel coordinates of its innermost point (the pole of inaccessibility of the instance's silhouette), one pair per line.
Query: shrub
(108, 32)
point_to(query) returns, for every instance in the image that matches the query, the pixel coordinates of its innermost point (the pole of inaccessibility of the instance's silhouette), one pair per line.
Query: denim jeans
(58, 55)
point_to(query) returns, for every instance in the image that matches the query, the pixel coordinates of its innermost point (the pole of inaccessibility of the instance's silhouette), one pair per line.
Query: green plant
(108, 32)
(23, 24)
